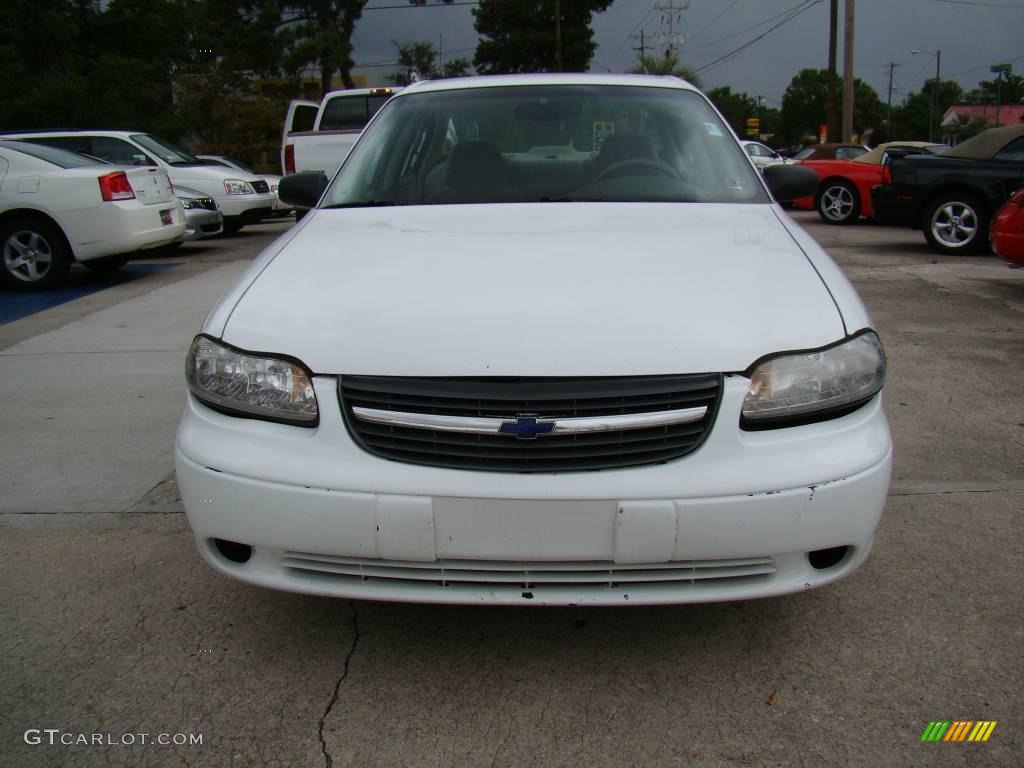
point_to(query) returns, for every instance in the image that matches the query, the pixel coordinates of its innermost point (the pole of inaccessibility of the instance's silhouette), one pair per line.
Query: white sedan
(763, 156)
(58, 207)
(527, 351)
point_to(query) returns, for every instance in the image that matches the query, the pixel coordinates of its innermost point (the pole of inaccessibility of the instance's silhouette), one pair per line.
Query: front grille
(260, 186)
(493, 573)
(206, 202)
(546, 398)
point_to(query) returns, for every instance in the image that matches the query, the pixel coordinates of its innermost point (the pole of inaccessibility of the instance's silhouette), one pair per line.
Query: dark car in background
(952, 197)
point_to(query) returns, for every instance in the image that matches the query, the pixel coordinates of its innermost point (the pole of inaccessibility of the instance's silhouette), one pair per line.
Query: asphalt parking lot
(112, 625)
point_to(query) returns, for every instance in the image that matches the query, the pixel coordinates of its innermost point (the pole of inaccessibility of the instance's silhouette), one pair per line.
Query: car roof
(874, 157)
(553, 78)
(72, 132)
(986, 144)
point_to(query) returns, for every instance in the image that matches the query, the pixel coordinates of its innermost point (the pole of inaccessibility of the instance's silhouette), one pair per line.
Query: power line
(810, 4)
(751, 28)
(987, 5)
(706, 27)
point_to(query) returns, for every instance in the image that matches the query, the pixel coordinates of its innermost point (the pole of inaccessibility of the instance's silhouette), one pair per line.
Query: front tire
(838, 202)
(956, 223)
(33, 254)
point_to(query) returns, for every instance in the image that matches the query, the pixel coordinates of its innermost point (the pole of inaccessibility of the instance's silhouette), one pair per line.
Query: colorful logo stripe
(958, 730)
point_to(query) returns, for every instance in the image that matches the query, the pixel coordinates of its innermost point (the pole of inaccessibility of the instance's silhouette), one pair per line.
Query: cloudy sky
(972, 35)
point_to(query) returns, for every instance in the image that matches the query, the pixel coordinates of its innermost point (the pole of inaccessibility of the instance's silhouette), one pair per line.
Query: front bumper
(201, 223)
(249, 207)
(734, 520)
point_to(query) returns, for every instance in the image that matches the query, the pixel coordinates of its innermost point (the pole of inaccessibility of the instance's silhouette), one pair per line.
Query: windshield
(546, 143)
(167, 152)
(62, 158)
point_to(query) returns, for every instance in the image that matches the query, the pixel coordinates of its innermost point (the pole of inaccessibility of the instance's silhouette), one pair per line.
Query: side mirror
(790, 182)
(302, 190)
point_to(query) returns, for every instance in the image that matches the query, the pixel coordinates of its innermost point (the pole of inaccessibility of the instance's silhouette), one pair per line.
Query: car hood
(204, 175)
(557, 289)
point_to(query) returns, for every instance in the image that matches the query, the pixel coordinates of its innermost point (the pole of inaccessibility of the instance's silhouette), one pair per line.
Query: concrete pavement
(112, 624)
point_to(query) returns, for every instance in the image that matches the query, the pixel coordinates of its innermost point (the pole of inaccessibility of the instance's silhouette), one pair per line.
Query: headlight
(188, 205)
(813, 385)
(238, 187)
(246, 385)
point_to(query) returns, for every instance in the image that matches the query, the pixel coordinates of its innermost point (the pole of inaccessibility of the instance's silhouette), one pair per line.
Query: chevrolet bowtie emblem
(526, 427)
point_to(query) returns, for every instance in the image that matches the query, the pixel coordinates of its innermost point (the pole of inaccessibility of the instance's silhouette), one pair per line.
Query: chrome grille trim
(565, 426)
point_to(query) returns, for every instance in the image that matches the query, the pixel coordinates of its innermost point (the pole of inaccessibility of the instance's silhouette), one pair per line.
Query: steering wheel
(615, 169)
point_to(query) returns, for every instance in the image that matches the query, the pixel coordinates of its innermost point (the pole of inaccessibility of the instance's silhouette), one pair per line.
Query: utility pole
(558, 35)
(830, 94)
(642, 48)
(669, 10)
(440, 53)
(888, 103)
(999, 70)
(848, 72)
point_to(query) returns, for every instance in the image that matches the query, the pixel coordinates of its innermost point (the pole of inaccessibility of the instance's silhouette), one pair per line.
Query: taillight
(115, 186)
(289, 158)
(886, 174)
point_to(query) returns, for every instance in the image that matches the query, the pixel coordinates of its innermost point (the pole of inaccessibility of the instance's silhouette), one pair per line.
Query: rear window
(62, 158)
(546, 143)
(344, 113)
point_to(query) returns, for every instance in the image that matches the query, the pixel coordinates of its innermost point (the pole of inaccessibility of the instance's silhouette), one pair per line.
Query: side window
(344, 113)
(1014, 151)
(845, 153)
(118, 151)
(304, 118)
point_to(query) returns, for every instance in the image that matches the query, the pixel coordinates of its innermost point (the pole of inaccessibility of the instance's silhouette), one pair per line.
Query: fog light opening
(826, 558)
(233, 551)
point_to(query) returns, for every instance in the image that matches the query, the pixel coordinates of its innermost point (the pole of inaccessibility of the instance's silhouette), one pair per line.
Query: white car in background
(243, 198)
(58, 207)
(522, 353)
(203, 218)
(273, 180)
(762, 155)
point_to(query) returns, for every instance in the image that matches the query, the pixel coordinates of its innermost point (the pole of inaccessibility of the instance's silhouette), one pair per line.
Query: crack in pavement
(328, 761)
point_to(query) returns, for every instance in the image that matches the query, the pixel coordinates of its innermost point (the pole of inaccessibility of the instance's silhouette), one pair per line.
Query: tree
(910, 120)
(416, 60)
(319, 33)
(803, 105)
(667, 65)
(520, 36)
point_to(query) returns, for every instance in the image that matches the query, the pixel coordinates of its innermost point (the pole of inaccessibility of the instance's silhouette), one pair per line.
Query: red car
(844, 186)
(1007, 232)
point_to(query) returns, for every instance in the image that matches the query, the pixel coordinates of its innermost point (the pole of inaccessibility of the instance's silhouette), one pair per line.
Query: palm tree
(667, 65)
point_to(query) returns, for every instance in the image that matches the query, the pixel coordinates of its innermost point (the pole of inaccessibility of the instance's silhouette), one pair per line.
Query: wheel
(34, 254)
(838, 202)
(107, 264)
(956, 223)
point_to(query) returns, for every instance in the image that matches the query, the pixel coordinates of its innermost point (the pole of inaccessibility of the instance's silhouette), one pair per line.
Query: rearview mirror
(790, 182)
(302, 190)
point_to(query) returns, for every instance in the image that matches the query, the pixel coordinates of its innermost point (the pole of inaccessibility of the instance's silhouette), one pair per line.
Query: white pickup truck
(318, 137)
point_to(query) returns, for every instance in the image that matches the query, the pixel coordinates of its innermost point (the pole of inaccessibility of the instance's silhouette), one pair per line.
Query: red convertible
(844, 186)
(1007, 233)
